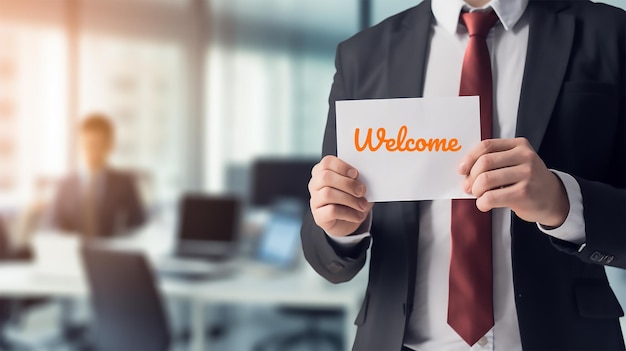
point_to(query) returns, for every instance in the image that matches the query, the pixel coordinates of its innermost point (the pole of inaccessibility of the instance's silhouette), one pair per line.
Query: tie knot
(479, 22)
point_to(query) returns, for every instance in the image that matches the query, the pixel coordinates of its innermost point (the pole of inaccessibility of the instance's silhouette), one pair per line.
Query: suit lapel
(549, 44)
(408, 52)
(407, 58)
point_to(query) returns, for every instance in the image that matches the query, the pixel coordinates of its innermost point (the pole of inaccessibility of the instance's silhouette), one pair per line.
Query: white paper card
(399, 149)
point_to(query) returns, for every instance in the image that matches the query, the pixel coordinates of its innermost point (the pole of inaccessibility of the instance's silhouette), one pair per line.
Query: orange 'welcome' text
(401, 143)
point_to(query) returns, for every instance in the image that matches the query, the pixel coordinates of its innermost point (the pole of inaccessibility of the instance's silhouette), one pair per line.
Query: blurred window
(253, 74)
(141, 85)
(270, 68)
(33, 116)
(382, 9)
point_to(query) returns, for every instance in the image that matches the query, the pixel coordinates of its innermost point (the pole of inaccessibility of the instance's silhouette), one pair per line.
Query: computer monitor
(276, 179)
(208, 225)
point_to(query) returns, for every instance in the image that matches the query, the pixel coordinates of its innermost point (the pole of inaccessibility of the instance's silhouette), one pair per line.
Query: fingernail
(352, 173)
(462, 169)
(363, 203)
(466, 187)
(359, 190)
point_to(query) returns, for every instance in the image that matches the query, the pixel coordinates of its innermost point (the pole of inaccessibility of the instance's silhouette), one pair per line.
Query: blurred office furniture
(119, 208)
(207, 242)
(283, 185)
(208, 226)
(106, 206)
(4, 304)
(293, 289)
(206, 237)
(12, 308)
(126, 302)
(279, 246)
(276, 179)
(312, 334)
(288, 290)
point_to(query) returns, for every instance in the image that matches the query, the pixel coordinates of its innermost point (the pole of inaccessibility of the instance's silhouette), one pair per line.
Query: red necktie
(470, 300)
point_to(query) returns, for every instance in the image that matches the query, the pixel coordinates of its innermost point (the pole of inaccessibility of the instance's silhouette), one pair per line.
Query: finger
(330, 196)
(498, 198)
(328, 178)
(498, 178)
(486, 146)
(493, 161)
(336, 165)
(331, 213)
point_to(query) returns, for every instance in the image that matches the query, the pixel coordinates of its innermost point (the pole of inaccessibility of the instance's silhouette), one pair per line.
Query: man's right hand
(338, 199)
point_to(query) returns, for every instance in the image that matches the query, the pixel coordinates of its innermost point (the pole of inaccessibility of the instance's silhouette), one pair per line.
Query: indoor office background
(199, 92)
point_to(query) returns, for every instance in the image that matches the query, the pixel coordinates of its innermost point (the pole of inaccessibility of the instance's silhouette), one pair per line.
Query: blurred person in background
(98, 201)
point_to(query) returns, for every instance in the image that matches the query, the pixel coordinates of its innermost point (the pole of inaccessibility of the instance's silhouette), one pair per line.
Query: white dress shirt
(507, 42)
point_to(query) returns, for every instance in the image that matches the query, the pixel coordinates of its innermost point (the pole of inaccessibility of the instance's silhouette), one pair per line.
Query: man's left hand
(509, 173)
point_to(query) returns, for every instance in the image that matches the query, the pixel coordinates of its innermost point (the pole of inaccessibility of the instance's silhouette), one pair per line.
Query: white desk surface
(22, 279)
(299, 289)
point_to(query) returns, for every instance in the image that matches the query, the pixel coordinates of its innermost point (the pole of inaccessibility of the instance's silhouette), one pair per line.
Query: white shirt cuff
(354, 239)
(573, 229)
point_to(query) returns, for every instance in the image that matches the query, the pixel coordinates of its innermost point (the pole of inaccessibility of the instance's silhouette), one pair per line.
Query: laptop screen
(208, 218)
(280, 241)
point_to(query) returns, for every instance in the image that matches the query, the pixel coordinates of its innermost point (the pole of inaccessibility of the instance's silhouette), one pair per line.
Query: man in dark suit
(552, 175)
(98, 201)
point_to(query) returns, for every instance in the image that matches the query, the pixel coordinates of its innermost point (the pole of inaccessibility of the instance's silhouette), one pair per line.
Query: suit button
(601, 258)
(596, 257)
(482, 341)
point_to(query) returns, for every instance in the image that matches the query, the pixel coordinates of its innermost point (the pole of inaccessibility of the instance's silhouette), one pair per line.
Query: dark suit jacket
(118, 203)
(4, 241)
(572, 110)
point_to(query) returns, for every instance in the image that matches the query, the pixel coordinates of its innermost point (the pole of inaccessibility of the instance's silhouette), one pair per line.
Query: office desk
(292, 290)
(297, 289)
(22, 280)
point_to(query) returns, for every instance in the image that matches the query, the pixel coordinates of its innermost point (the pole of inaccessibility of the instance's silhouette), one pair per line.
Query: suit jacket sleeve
(604, 209)
(136, 213)
(331, 260)
(604, 203)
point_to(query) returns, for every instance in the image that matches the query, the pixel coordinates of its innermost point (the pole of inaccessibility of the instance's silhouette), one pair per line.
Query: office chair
(129, 314)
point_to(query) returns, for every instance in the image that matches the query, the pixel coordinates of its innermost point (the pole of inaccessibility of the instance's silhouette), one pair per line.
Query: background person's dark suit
(119, 206)
(572, 110)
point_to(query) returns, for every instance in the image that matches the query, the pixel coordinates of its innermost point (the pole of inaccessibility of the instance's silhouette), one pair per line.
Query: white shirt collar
(447, 12)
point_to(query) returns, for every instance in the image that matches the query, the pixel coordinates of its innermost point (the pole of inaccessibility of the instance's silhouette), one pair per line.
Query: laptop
(207, 234)
(279, 246)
